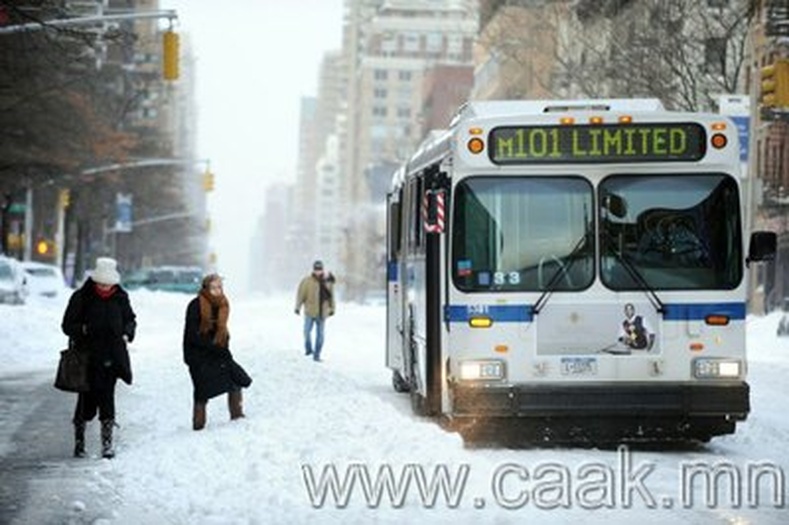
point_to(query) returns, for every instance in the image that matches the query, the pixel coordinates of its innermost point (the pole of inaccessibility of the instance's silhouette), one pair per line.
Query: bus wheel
(419, 404)
(399, 384)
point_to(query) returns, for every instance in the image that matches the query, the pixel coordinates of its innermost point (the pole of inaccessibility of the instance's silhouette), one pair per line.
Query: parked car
(13, 283)
(185, 279)
(44, 279)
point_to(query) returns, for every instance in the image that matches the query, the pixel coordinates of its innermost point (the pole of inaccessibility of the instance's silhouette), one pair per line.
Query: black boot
(198, 416)
(79, 439)
(234, 400)
(106, 438)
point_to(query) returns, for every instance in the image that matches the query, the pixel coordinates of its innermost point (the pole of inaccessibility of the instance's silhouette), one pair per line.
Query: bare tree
(67, 103)
(680, 51)
(55, 106)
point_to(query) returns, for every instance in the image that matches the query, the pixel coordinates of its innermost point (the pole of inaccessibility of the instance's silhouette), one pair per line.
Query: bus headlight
(481, 370)
(716, 368)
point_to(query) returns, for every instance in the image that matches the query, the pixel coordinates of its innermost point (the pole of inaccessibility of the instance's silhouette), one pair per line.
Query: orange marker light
(718, 141)
(567, 121)
(696, 347)
(595, 120)
(476, 145)
(501, 349)
(717, 320)
(475, 131)
(625, 119)
(718, 126)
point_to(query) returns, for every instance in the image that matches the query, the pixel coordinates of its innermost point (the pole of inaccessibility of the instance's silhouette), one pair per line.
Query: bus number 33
(502, 278)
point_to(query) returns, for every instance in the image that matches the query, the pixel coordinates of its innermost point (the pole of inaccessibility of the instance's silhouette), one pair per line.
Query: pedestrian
(100, 321)
(316, 293)
(207, 352)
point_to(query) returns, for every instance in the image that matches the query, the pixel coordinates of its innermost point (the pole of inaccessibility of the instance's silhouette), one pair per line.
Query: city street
(39, 481)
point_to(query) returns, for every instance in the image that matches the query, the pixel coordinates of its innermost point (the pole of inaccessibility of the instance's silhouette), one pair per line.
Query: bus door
(394, 288)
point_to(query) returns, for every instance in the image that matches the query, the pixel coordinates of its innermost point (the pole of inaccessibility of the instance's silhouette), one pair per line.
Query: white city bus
(573, 270)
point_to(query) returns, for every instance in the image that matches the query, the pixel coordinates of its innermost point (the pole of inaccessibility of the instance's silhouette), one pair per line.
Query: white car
(13, 283)
(44, 279)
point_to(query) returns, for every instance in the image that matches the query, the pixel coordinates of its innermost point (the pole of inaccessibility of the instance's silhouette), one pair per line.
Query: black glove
(296, 311)
(129, 331)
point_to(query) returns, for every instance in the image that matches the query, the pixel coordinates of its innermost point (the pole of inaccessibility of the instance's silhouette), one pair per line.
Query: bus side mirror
(762, 247)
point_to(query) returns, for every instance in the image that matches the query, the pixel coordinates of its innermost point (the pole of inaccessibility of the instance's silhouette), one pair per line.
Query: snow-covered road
(310, 421)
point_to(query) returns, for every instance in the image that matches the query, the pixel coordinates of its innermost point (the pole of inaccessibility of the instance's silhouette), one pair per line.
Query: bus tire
(418, 401)
(399, 384)
(419, 404)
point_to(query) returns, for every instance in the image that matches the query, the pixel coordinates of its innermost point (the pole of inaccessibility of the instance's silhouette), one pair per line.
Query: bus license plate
(579, 366)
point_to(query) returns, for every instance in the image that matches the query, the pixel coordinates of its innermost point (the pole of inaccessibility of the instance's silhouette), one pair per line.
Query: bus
(573, 271)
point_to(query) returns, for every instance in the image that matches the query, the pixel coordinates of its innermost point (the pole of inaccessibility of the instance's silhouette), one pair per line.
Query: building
(769, 29)
(390, 47)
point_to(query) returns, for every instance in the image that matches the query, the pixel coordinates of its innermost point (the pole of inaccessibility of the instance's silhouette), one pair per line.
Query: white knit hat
(106, 271)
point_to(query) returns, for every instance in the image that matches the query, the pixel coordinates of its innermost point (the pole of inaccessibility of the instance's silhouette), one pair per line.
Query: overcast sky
(255, 60)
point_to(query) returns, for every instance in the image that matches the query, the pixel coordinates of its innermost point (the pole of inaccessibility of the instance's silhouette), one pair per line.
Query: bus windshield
(667, 232)
(671, 232)
(523, 234)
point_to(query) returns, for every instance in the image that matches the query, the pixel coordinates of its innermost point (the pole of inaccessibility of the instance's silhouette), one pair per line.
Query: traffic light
(45, 248)
(208, 181)
(170, 55)
(64, 199)
(775, 84)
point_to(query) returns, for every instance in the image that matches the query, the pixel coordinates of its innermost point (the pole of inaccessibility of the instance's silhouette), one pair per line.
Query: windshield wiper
(637, 277)
(561, 270)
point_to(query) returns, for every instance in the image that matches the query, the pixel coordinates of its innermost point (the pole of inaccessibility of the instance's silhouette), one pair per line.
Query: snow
(303, 417)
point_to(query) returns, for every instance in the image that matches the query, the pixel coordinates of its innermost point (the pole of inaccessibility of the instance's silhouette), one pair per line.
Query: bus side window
(412, 216)
(418, 200)
(394, 234)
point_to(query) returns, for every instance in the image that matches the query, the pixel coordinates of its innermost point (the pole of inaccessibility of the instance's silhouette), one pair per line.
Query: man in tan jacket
(316, 293)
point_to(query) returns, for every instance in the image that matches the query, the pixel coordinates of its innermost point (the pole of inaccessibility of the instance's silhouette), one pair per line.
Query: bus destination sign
(664, 142)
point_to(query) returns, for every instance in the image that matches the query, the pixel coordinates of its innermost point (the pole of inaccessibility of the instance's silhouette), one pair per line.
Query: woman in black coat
(207, 353)
(99, 320)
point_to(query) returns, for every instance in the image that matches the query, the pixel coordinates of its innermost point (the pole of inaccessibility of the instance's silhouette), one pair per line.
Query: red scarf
(105, 294)
(218, 323)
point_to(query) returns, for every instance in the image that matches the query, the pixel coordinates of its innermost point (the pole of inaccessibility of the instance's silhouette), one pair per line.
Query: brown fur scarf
(207, 321)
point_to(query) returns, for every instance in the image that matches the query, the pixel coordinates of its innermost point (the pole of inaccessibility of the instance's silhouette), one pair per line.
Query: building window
(404, 112)
(379, 93)
(455, 44)
(715, 55)
(404, 94)
(379, 111)
(404, 75)
(380, 74)
(434, 43)
(411, 42)
(388, 46)
(717, 3)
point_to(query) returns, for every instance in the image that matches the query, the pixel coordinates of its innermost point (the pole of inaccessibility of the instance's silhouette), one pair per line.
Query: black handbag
(239, 375)
(72, 373)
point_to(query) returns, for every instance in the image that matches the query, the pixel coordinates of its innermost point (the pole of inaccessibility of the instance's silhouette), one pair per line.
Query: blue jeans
(319, 323)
